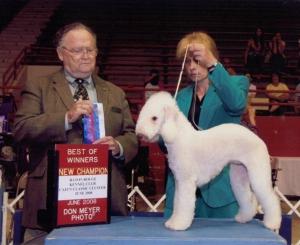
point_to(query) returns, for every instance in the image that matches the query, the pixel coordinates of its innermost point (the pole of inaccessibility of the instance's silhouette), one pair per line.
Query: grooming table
(133, 230)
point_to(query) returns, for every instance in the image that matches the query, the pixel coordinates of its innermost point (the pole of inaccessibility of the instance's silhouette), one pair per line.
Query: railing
(134, 91)
(136, 95)
(13, 71)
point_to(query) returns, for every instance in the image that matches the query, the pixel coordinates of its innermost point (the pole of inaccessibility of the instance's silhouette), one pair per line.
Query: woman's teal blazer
(225, 102)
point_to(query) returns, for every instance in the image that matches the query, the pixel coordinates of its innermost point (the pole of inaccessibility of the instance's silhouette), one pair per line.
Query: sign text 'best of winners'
(82, 184)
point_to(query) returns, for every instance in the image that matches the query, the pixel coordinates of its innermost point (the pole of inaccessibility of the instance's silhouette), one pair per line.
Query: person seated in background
(228, 66)
(299, 53)
(152, 83)
(255, 52)
(252, 86)
(51, 112)
(277, 97)
(248, 118)
(297, 98)
(277, 47)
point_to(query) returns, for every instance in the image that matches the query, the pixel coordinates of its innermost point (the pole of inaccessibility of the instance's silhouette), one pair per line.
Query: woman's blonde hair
(196, 37)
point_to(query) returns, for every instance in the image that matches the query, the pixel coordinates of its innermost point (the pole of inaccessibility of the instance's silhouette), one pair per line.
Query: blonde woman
(213, 97)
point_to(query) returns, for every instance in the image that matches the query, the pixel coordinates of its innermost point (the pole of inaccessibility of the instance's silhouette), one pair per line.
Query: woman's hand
(202, 54)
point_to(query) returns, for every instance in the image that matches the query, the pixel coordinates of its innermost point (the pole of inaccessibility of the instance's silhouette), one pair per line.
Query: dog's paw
(177, 225)
(272, 223)
(247, 213)
(244, 217)
(240, 218)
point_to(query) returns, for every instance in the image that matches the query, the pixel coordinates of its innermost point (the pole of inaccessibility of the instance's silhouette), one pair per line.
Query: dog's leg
(243, 193)
(261, 183)
(184, 205)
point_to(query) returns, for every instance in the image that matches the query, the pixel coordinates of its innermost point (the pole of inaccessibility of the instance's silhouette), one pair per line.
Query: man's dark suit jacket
(40, 123)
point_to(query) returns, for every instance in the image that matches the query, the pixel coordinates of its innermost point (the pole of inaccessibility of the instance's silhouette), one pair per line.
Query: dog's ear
(169, 126)
(170, 113)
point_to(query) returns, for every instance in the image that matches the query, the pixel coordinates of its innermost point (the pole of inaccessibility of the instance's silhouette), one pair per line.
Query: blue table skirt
(150, 230)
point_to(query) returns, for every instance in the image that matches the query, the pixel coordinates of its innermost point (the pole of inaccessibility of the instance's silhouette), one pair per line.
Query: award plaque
(78, 185)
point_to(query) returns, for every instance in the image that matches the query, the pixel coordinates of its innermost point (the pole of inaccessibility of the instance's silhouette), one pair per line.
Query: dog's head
(158, 118)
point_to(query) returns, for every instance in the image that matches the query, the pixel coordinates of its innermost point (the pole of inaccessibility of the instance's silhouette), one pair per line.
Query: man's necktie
(81, 91)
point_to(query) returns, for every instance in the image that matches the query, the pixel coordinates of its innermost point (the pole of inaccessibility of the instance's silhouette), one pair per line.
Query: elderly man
(51, 112)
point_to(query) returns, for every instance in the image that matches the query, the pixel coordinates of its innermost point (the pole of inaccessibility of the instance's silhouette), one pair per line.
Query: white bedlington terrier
(196, 157)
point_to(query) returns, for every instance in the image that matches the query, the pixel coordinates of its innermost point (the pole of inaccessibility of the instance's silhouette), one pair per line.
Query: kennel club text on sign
(82, 184)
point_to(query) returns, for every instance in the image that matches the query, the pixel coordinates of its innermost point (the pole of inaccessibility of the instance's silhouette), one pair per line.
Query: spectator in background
(255, 52)
(252, 86)
(228, 66)
(297, 98)
(299, 53)
(248, 118)
(152, 83)
(277, 47)
(277, 97)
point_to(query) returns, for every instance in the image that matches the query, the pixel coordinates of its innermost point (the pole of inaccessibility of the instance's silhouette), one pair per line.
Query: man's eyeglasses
(81, 51)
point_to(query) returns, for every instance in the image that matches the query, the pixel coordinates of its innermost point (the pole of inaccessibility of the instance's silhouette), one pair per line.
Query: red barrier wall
(281, 134)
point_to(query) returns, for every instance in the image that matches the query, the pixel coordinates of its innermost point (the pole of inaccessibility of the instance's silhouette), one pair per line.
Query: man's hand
(112, 144)
(79, 108)
(202, 54)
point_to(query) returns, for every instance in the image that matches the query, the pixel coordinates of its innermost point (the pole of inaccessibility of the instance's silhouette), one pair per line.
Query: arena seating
(8, 9)
(18, 34)
(134, 36)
